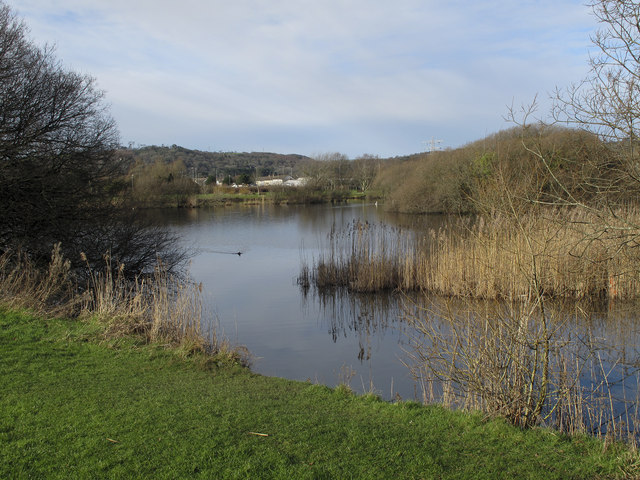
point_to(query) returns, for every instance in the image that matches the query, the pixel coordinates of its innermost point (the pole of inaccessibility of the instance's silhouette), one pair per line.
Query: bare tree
(59, 177)
(519, 363)
(607, 101)
(607, 104)
(327, 170)
(365, 169)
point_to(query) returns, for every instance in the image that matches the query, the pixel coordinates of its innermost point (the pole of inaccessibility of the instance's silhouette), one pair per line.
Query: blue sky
(309, 77)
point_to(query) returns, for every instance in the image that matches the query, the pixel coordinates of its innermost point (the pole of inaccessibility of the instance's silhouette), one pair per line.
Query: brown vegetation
(159, 308)
(516, 353)
(157, 184)
(464, 180)
(487, 257)
(502, 358)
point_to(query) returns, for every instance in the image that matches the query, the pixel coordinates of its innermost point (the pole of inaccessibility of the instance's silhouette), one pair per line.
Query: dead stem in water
(502, 359)
(488, 257)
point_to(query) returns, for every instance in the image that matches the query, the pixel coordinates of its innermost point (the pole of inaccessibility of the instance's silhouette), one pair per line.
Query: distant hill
(222, 163)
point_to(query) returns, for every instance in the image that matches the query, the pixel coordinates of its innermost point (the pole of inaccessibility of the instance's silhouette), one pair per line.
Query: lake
(257, 302)
(337, 338)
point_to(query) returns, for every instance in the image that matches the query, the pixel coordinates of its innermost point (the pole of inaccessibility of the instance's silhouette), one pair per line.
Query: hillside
(225, 163)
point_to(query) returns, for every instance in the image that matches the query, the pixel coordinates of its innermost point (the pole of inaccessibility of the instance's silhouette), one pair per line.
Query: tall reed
(487, 257)
(363, 258)
(24, 285)
(161, 307)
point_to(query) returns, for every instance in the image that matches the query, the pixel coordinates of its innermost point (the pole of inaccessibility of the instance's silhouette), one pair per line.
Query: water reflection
(491, 356)
(367, 316)
(302, 334)
(256, 300)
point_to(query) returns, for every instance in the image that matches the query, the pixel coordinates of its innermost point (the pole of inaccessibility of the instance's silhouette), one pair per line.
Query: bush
(59, 177)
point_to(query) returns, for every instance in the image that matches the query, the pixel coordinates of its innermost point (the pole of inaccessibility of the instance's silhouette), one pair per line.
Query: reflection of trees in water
(312, 218)
(595, 354)
(256, 214)
(365, 315)
(613, 334)
(613, 329)
(487, 356)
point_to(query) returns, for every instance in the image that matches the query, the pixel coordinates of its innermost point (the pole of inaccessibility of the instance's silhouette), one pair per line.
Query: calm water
(258, 304)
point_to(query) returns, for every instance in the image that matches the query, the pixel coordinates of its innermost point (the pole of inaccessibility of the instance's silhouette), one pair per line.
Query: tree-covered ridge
(157, 174)
(202, 164)
(579, 165)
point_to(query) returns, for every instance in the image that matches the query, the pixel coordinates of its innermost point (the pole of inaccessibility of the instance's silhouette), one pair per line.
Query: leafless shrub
(501, 358)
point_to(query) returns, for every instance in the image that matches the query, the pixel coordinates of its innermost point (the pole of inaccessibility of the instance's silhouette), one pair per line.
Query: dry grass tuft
(23, 285)
(160, 308)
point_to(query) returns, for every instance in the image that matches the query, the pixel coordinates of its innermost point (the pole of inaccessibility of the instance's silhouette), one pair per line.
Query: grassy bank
(226, 196)
(73, 406)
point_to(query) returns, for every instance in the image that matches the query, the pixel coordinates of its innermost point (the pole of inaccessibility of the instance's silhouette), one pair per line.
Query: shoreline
(78, 404)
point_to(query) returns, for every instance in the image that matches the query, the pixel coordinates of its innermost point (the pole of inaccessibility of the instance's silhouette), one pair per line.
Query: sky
(376, 77)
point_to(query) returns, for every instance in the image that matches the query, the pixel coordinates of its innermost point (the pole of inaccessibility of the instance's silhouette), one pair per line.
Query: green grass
(74, 407)
(279, 196)
(228, 197)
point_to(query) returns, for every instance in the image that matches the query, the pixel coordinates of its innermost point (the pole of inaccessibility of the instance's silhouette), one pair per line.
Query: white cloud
(278, 68)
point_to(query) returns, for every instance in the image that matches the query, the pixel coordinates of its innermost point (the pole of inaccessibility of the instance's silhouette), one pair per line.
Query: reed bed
(496, 343)
(363, 258)
(559, 254)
